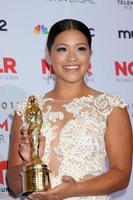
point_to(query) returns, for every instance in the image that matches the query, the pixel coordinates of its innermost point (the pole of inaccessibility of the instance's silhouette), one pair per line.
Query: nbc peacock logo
(40, 29)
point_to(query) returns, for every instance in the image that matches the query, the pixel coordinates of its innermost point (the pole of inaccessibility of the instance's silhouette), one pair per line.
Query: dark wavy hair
(67, 24)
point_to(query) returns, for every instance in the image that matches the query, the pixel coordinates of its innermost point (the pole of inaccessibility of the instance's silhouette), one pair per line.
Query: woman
(81, 126)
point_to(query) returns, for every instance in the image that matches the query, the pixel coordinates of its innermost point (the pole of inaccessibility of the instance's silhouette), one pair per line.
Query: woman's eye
(81, 49)
(61, 49)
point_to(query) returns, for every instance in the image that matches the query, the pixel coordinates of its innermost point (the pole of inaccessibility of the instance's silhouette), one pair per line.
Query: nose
(71, 56)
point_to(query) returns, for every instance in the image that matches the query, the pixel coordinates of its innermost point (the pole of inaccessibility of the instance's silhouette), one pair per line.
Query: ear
(47, 57)
(91, 52)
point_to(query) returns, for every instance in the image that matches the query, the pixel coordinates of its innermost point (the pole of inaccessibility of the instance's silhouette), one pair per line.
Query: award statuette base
(35, 178)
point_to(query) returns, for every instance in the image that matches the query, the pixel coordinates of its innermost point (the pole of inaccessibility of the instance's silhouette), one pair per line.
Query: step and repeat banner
(24, 26)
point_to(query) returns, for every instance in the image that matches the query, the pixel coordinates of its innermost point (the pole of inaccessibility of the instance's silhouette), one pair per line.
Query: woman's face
(70, 56)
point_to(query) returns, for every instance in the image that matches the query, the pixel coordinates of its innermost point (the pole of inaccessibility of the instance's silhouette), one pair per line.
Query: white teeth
(71, 67)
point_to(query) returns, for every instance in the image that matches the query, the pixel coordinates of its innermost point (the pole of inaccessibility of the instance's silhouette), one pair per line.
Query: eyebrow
(64, 44)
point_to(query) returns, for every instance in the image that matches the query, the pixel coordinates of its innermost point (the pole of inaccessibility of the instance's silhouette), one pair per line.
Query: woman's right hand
(25, 145)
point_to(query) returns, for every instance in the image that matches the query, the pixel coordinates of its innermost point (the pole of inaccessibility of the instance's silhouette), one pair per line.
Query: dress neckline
(72, 99)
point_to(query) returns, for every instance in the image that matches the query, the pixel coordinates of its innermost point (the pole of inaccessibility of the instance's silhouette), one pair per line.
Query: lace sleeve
(20, 108)
(116, 101)
(106, 102)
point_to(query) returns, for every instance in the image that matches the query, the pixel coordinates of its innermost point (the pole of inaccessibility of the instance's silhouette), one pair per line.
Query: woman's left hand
(66, 189)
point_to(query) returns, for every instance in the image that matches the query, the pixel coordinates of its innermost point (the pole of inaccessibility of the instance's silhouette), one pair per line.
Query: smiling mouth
(72, 67)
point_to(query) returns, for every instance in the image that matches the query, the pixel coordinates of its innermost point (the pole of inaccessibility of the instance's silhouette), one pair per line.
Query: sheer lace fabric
(74, 132)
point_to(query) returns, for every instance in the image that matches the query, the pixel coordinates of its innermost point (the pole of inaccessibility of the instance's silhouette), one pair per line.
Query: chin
(73, 80)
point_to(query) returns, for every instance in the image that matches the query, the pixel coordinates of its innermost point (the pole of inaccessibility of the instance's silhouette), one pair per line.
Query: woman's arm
(15, 162)
(19, 154)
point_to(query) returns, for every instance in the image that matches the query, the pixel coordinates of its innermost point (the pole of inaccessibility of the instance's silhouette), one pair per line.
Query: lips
(72, 67)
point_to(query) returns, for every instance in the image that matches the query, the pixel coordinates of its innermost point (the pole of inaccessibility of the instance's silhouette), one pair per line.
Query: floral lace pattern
(81, 148)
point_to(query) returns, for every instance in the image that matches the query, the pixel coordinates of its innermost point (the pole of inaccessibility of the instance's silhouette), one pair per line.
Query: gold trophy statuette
(35, 175)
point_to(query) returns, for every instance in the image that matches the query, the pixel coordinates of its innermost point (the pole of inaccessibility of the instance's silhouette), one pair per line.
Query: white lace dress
(74, 132)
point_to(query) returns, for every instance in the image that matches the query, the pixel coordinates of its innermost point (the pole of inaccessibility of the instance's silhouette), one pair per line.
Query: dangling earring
(88, 73)
(49, 76)
(48, 67)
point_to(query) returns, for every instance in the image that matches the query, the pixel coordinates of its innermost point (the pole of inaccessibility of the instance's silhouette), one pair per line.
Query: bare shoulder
(119, 116)
(119, 125)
